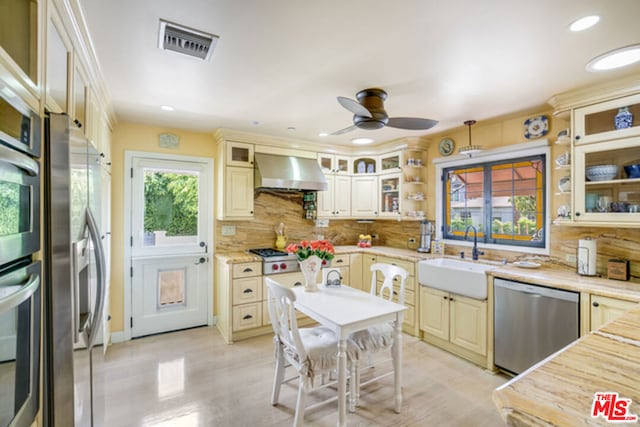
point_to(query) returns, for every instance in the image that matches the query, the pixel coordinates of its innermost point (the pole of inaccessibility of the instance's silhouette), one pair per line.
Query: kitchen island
(560, 390)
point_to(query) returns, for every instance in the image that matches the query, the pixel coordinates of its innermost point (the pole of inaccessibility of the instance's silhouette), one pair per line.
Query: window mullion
(486, 227)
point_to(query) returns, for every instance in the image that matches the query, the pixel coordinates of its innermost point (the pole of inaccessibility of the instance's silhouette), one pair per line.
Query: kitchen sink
(452, 275)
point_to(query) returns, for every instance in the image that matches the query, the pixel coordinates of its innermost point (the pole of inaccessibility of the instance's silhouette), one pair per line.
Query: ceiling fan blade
(345, 130)
(354, 106)
(411, 123)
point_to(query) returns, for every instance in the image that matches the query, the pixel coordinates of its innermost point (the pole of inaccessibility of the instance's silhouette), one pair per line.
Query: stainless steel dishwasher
(531, 322)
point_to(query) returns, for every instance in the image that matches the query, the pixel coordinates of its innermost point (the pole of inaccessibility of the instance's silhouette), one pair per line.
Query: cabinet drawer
(247, 269)
(340, 260)
(246, 290)
(407, 265)
(287, 279)
(247, 316)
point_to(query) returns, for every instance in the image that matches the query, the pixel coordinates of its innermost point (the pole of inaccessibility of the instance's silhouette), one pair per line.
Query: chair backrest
(280, 302)
(389, 272)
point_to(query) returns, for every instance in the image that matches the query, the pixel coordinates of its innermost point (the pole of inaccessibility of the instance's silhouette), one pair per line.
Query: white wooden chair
(310, 351)
(379, 337)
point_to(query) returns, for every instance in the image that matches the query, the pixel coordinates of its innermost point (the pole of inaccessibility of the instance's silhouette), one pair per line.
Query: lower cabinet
(453, 322)
(606, 309)
(241, 299)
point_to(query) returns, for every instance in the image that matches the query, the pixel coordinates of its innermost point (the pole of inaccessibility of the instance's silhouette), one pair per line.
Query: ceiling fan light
(362, 141)
(615, 59)
(584, 23)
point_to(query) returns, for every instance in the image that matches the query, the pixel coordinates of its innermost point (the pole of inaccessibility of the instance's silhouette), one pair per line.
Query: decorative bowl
(601, 173)
(564, 184)
(632, 171)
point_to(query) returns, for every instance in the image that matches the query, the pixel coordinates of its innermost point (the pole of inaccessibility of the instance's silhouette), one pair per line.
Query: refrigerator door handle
(22, 293)
(94, 233)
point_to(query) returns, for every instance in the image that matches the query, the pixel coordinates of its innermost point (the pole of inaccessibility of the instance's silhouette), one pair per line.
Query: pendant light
(469, 150)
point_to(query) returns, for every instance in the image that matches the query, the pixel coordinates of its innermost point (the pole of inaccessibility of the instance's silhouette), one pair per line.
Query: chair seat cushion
(321, 345)
(373, 338)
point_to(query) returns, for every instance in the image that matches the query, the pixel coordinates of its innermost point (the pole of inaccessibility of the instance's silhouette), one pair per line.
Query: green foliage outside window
(171, 203)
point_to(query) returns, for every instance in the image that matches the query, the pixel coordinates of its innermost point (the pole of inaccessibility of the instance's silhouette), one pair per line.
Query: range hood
(288, 173)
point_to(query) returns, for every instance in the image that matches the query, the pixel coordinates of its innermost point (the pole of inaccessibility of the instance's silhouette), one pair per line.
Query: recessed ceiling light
(291, 128)
(615, 59)
(323, 134)
(167, 108)
(584, 23)
(255, 123)
(362, 141)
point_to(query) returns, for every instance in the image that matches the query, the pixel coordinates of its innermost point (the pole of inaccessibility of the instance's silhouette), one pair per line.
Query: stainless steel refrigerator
(74, 279)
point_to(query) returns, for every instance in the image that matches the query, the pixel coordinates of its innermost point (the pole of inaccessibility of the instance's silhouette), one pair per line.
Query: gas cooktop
(268, 252)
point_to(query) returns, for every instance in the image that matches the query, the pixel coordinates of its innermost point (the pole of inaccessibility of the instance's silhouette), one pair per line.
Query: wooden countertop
(560, 390)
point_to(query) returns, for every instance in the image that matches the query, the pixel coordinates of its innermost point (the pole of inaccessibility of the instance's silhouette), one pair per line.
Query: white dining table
(346, 310)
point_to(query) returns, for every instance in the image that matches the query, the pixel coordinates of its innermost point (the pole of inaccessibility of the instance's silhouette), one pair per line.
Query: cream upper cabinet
(58, 53)
(235, 180)
(80, 97)
(390, 195)
(19, 37)
(365, 165)
(605, 309)
(391, 162)
(333, 163)
(238, 194)
(364, 200)
(336, 200)
(239, 154)
(603, 121)
(603, 192)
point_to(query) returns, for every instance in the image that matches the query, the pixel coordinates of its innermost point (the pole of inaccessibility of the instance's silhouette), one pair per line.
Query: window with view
(503, 200)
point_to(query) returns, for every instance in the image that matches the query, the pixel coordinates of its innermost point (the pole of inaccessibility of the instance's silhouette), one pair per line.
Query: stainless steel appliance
(19, 343)
(20, 125)
(426, 229)
(275, 261)
(531, 322)
(19, 274)
(19, 186)
(74, 277)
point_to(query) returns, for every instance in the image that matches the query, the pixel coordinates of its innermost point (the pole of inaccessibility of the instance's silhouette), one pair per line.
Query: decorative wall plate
(446, 146)
(535, 127)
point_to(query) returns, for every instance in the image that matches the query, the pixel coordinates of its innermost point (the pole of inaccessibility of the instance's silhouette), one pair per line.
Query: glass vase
(310, 268)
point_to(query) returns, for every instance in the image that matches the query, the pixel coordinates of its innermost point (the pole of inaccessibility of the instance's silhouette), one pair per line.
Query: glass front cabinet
(615, 119)
(390, 191)
(391, 162)
(607, 182)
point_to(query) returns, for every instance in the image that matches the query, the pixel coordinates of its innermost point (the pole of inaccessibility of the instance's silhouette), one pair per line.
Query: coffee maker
(426, 229)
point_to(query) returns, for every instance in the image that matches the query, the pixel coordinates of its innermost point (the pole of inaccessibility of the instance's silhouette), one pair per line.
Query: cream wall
(138, 137)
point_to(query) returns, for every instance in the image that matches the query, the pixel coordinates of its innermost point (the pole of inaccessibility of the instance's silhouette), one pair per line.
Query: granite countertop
(560, 390)
(547, 275)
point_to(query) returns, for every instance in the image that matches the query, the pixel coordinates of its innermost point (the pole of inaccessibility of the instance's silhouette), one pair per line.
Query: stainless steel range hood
(288, 173)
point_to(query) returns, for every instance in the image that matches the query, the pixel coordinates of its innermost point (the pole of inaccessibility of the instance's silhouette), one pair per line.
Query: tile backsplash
(271, 208)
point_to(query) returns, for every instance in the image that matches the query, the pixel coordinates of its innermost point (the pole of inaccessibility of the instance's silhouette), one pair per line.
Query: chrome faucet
(475, 252)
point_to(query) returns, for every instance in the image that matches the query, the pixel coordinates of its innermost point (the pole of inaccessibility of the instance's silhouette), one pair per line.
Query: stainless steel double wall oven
(19, 272)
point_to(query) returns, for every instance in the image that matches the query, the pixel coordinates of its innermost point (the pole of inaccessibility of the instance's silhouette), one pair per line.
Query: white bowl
(601, 173)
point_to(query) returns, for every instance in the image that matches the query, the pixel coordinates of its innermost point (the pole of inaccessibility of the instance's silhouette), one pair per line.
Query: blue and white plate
(535, 127)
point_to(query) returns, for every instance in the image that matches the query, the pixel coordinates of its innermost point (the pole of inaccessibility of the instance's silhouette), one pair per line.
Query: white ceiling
(283, 62)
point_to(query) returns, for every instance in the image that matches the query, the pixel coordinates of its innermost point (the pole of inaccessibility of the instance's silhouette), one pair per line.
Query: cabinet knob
(445, 297)
(595, 304)
(297, 284)
(577, 213)
(577, 137)
(248, 291)
(247, 317)
(339, 261)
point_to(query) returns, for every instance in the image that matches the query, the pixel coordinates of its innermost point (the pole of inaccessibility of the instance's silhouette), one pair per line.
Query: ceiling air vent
(187, 41)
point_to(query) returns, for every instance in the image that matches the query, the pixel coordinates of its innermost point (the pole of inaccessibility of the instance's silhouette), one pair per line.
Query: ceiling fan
(369, 113)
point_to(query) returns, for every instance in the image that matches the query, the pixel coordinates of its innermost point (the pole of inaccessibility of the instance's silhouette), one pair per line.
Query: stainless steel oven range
(276, 262)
